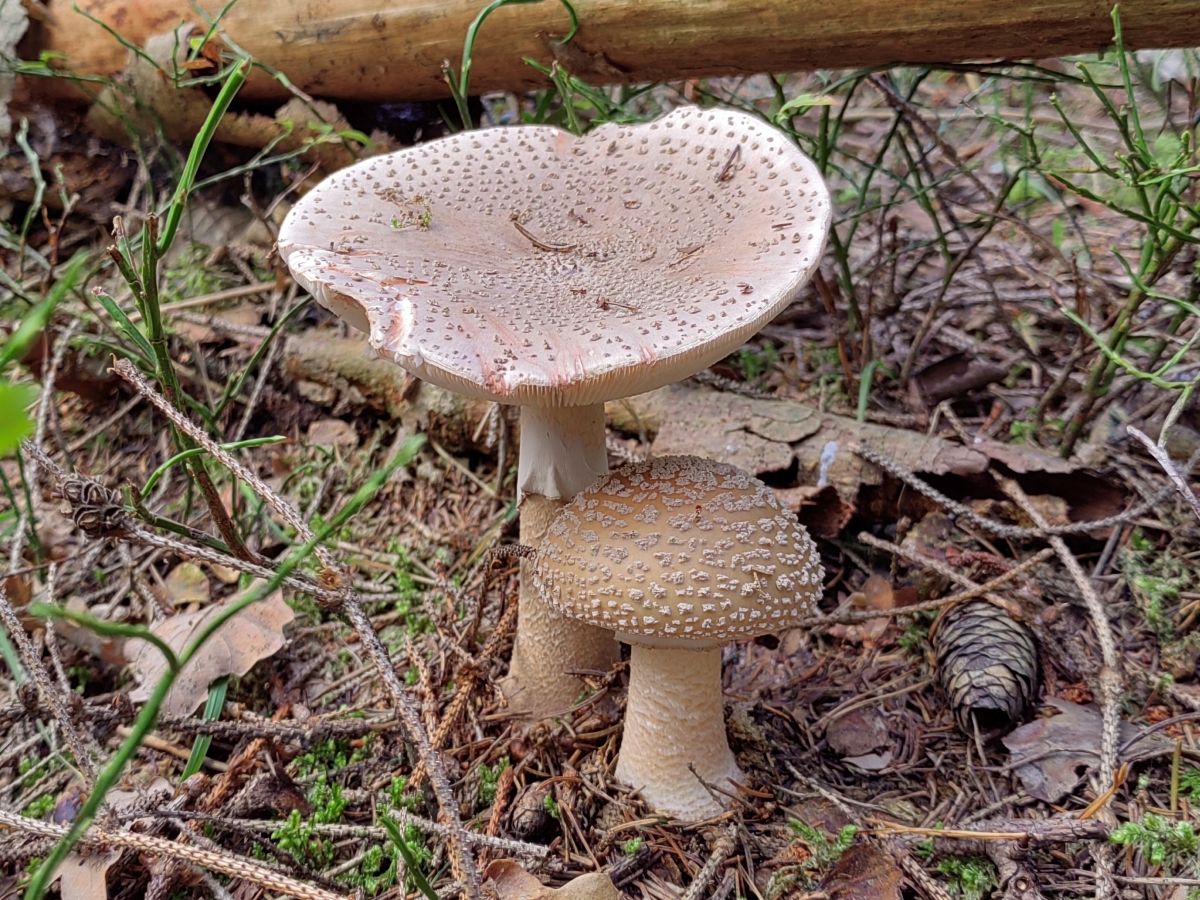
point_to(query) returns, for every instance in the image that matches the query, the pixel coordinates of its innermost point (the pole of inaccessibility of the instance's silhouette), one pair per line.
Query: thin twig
(722, 849)
(225, 863)
(373, 832)
(466, 685)
(540, 244)
(1109, 682)
(126, 371)
(80, 742)
(1015, 532)
(464, 862)
(976, 590)
(1161, 457)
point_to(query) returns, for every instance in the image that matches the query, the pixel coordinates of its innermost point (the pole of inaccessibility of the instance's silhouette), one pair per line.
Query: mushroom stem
(674, 718)
(562, 452)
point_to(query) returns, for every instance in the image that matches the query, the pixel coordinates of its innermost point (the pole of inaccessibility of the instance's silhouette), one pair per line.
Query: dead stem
(223, 862)
(1109, 686)
(1015, 531)
(540, 244)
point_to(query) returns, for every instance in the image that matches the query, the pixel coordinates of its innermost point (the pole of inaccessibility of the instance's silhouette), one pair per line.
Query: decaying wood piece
(365, 50)
(146, 101)
(343, 373)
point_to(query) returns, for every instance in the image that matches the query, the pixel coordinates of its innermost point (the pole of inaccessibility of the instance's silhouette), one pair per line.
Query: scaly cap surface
(679, 549)
(526, 265)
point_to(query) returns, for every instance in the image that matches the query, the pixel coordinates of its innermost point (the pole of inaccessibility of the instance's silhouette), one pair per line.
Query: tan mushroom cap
(527, 265)
(679, 549)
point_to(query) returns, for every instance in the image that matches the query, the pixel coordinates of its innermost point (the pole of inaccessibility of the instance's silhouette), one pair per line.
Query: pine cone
(987, 664)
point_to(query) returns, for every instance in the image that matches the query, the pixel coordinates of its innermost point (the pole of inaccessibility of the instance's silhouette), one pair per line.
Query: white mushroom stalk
(531, 267)
(677, 556)
(674, 750)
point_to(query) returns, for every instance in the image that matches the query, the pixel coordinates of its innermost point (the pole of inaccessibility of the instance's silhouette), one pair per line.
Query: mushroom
(532, 267)
(678, 556)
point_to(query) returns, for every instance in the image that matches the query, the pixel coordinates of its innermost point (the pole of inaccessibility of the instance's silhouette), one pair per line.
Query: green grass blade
(212, 711)
(237, 77)
(411, 865)
(32, 325)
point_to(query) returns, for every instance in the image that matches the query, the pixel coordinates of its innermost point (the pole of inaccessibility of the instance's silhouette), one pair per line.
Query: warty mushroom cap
(679, 550)
(526, 265)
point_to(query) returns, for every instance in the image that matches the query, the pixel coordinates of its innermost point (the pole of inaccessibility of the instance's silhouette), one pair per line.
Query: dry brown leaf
(876, 593)
(186, 584)
(858, 732)
(1060, 749)
(332, 433)
(253, 634)
(84, 876)
(864, 872)
(511, 882)
(956, 375)
(821, 510)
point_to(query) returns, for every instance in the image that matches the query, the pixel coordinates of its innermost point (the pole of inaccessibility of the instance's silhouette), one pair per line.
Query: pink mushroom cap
(529, 266)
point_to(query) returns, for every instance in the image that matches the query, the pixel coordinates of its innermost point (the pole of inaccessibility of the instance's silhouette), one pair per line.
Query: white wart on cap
(678, 555)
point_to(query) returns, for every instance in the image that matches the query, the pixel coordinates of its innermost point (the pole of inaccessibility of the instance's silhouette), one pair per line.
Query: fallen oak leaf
(1060, 749)
(864, 872)
(84, 874)
(252, 635)
(511, 882)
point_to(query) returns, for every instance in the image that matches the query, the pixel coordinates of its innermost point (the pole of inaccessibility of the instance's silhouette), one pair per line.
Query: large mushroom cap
(527, 265)
(679, 549)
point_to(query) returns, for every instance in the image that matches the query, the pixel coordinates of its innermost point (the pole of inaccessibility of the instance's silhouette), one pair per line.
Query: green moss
(969, 877)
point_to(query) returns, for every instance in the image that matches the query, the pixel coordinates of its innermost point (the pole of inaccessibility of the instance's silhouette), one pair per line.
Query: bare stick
(973, 591)
(1161, 457)
(225, 863)
(1013, 531)
(1109, 680)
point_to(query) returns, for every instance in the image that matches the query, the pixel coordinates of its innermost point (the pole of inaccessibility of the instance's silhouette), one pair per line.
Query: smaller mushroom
(678, 556)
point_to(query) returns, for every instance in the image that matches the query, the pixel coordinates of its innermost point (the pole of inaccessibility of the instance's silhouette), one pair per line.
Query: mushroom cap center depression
(527, 265)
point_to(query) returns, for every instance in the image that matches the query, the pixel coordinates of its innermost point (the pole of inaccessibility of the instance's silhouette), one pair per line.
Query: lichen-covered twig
(1109, 687)
(225, 863)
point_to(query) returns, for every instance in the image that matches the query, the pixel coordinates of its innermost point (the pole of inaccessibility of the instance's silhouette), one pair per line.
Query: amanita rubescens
(532, 267)
(678, 556)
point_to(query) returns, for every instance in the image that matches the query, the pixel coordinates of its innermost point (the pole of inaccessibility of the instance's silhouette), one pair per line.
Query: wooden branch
(367, 50)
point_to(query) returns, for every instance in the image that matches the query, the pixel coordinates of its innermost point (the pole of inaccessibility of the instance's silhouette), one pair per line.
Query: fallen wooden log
(366, 50)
